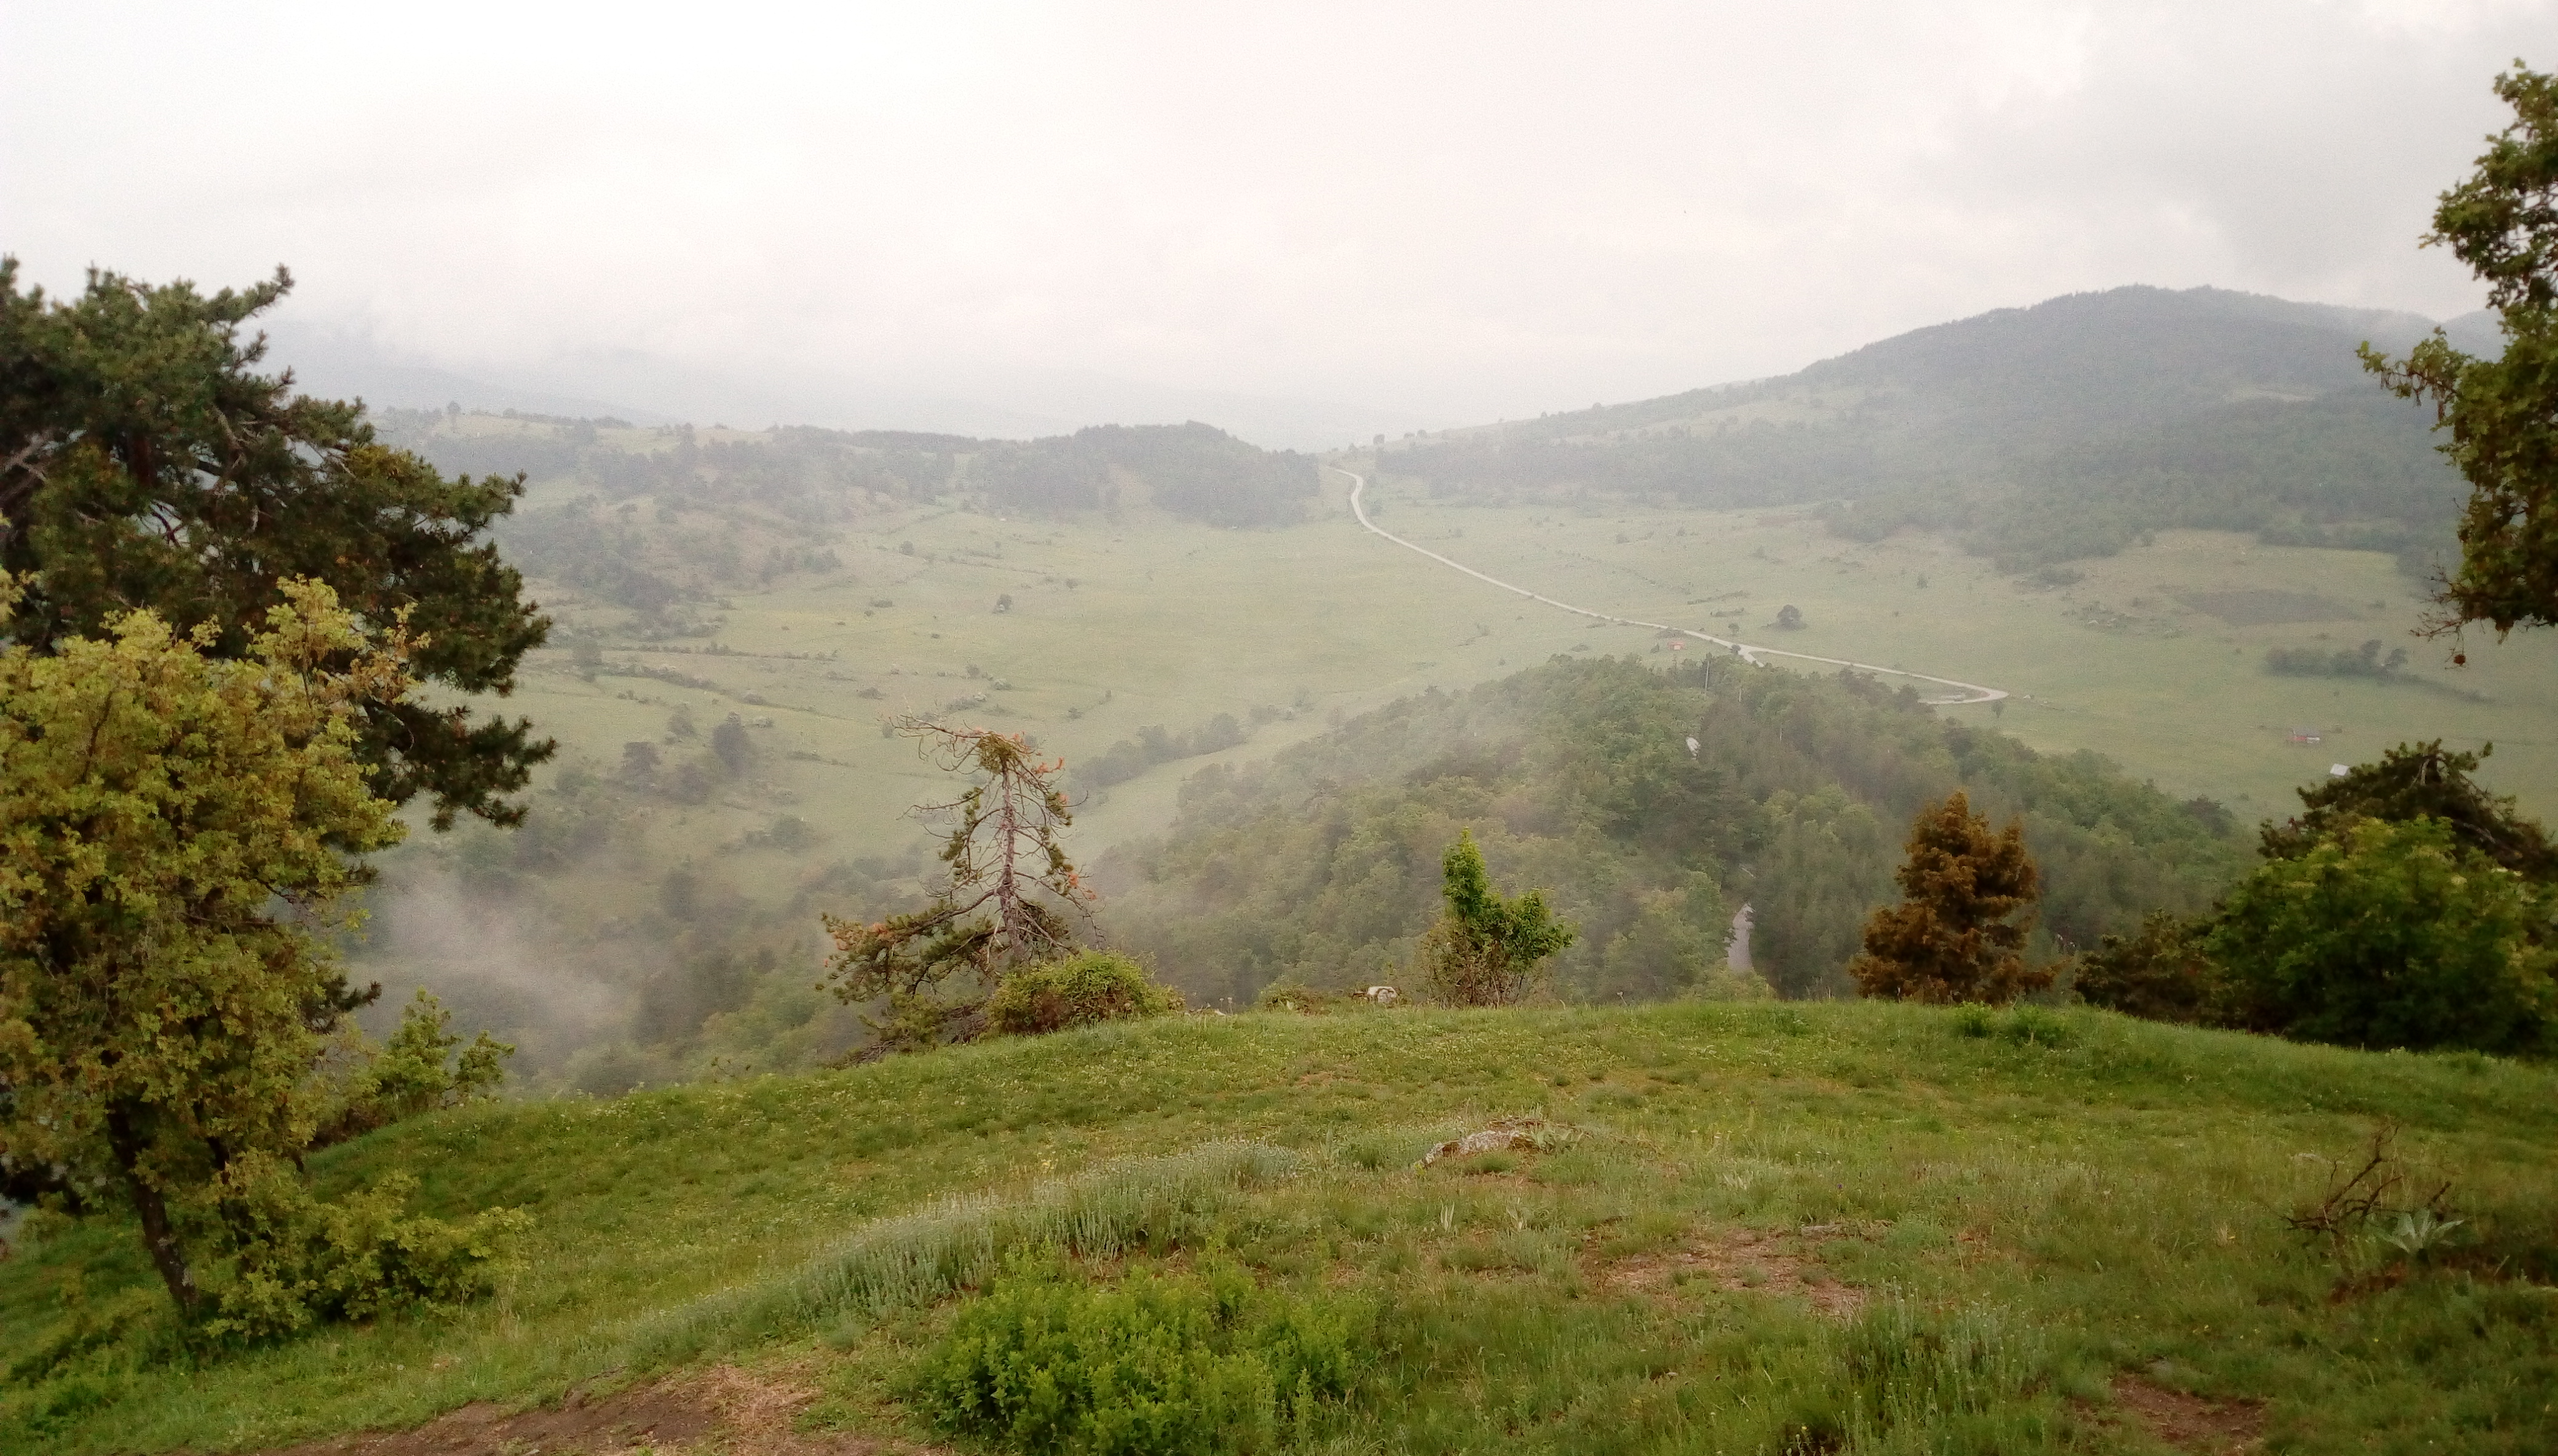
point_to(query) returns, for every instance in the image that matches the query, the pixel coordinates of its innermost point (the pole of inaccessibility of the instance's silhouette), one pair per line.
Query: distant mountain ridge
(2065, 429)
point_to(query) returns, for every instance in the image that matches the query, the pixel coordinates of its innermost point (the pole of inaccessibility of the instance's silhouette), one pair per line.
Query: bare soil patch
(1737, 1261)
(2261, 608)
(2189, 1422)
(723, 1410)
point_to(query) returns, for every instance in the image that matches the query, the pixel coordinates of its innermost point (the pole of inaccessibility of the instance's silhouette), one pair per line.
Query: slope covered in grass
(1731, 1226)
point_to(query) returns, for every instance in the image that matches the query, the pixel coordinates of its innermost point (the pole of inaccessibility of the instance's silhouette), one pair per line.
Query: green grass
(2026, 1206)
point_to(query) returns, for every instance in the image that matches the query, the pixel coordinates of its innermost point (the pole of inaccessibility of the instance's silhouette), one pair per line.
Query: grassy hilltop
(1847, 1227)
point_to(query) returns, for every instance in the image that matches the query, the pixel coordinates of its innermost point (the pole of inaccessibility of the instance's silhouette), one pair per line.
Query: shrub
(1156, 1366)
(2391, 934)
(2158, 973)
(301, 1259)
(1486, 948)
(421, 1068)
(1078, 990)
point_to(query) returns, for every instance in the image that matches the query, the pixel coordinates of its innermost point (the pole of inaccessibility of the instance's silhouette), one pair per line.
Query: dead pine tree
(1958, 932)
(1008, 898)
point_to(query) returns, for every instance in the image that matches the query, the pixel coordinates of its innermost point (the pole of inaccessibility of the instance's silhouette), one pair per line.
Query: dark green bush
(1155, 1365)
(1082, 988)
(2158, 973)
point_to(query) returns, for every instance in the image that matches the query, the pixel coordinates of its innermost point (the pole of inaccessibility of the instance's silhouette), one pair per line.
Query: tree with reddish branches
(1009, 895)
(1957, 934)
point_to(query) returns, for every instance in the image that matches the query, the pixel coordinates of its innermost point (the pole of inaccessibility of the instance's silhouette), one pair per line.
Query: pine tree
(1958, 935)
(146, 461)
(1008, 897)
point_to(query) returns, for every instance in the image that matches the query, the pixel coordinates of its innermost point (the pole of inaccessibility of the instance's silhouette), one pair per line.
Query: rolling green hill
(1724, 1227)
(1322, 865)
(2041, 434)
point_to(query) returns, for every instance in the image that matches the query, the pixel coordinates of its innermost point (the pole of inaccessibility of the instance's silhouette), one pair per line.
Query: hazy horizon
(1015, 219)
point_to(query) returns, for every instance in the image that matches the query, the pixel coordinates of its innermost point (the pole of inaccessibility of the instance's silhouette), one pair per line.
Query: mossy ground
(1740, 1214)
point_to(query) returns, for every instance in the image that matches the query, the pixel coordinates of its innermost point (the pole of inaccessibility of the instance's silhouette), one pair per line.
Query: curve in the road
(1972, 693)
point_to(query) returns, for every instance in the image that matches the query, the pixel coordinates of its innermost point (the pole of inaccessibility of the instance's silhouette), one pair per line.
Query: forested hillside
(2041, 434)
(1323, 866)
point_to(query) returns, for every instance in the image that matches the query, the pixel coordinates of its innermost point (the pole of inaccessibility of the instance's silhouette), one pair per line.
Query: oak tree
(177, 833)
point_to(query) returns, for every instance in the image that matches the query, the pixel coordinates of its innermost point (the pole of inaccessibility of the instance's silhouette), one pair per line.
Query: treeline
(1193, 471)
(2036, 435)
(1154, 744)
(815, 476)
(1321, 866)
(2363, 662)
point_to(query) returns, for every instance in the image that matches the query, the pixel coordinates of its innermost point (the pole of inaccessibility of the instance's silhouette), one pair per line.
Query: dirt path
(1969, 692)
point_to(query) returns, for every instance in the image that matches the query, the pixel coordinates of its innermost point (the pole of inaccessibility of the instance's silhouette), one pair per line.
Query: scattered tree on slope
(1008, 898)
(1956, 935)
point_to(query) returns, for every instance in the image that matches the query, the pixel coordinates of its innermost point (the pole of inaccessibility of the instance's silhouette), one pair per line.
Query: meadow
(1117, 626)
(1745, 1227)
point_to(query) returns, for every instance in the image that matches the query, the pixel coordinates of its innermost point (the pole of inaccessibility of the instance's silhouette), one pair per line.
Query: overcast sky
(1435, 212)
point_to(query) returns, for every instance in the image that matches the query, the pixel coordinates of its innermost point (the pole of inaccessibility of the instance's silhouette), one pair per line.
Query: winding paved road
(1971, 692)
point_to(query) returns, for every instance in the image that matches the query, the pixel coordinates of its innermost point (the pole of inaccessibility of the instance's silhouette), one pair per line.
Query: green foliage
(1129, 757)
(422, 1068)
(2391, 934)
(159, 1018)
(2158, 972)
(1158, 1365)
(2501, 413)
(1080, 989)
(299, 1259)
(2412, 782)
(2364, 661)
(1958, 935)
(1323, 866)
(1486, 948)
(147, 464)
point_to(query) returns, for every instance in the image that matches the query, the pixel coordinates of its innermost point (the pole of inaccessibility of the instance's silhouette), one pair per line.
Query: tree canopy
(146, 463)
(2419, 781)
(2501, 413)
(173, 829)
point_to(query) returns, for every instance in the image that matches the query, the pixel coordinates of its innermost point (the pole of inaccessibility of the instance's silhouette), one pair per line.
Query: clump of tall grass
(922, 1257)
(1920, 1380)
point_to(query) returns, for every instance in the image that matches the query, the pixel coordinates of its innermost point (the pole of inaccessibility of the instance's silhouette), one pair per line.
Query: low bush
(1078, 990)
(1155, 1365)
(2158, 973)
(302, 1260)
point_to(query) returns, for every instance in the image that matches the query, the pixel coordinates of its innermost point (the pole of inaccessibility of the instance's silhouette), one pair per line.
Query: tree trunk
(158, 1237)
